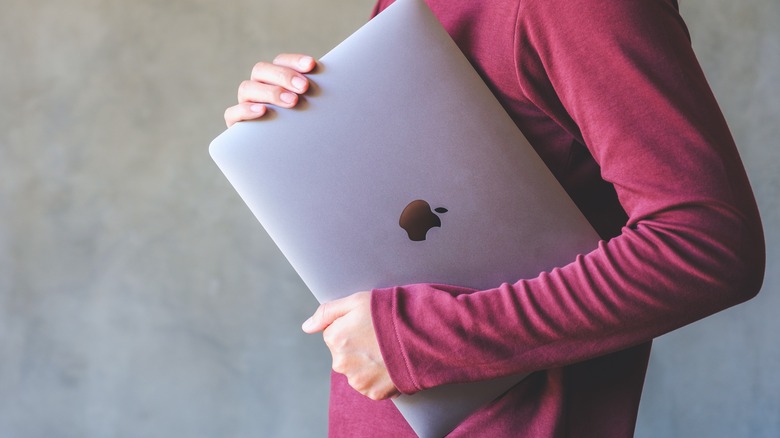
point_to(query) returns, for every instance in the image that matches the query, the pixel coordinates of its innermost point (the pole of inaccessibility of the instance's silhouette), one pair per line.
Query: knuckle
(260, 66)
(358, 383)
(378, 393)
(335, 342)
(329, 338)
(282, 76)
(228, 115)
(243, 88)
(324, 310)
(338, 365)
(280, 58)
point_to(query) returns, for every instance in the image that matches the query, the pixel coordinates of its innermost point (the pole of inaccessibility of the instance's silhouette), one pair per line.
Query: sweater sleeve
(622, 79)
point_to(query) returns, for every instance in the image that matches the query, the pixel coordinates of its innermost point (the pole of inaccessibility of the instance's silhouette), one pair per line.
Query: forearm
(622, 80)
(652, 279)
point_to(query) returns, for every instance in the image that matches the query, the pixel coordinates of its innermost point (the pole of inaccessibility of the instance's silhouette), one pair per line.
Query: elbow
(738, 256)
(750, 264)
(749, 249)
(719, 256)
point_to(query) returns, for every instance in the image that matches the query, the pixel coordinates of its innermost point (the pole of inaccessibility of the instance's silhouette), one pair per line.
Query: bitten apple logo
(417, 218)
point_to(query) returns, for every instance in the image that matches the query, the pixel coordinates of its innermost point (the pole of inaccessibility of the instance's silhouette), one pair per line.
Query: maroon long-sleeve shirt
(611, 96)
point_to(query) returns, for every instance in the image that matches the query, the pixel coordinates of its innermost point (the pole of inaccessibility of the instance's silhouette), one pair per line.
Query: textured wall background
(139, 297)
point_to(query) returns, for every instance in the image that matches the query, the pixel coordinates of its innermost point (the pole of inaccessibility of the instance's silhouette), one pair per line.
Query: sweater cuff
(383, 311)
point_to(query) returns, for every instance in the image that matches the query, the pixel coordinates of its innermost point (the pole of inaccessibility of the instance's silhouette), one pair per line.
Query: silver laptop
(400, 167)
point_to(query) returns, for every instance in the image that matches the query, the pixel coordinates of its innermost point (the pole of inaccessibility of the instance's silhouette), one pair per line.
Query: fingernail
(299, 83)
(307, 325)
(288, 97)
(257, 108)
(305, 62)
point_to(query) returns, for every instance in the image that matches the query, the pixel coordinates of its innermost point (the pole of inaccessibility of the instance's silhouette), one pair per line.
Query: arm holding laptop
(537, 304)
(692, 244)
(628, 88)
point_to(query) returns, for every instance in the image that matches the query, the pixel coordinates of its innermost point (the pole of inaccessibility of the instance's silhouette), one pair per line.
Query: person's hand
(348, 332)
(278, 83)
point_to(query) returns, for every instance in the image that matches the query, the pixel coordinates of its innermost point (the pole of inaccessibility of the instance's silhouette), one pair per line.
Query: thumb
(325, 315)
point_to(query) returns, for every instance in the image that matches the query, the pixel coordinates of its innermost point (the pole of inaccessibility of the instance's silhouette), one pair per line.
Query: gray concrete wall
(139, 297)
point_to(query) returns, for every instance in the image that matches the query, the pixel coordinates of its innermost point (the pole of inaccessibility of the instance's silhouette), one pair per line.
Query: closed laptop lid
(398, 127)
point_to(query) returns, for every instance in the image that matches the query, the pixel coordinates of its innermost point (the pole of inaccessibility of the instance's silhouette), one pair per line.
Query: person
(611, 96)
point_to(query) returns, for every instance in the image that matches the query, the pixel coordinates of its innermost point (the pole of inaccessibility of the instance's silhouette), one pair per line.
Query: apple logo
(417, 218)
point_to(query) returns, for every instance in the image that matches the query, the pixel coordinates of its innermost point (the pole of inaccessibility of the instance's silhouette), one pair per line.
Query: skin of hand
(346, 324)
(279, 83)
(348, 331)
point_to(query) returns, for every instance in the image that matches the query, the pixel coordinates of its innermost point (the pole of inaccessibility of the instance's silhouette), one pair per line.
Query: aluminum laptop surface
(396, 114)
